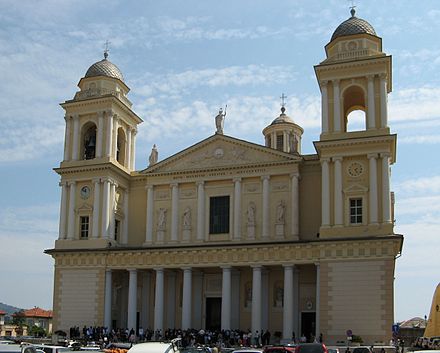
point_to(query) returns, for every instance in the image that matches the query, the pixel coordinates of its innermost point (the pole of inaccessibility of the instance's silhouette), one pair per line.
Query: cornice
(338, 65)
(64, 171)
(355, 141)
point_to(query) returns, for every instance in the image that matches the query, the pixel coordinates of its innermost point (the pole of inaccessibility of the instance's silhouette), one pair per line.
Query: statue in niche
(278, 295)
(154, 155)
(162, 218)
(186, 219)
(251, 214)
(281, 210)
(220, 121)
(248, 295)
(293, 143)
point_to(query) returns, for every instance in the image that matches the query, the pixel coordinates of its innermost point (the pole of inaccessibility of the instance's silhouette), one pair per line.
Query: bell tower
(99, 152)
(355, 76)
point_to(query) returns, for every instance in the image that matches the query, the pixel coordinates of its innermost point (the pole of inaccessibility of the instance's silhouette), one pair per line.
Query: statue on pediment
(154, 155)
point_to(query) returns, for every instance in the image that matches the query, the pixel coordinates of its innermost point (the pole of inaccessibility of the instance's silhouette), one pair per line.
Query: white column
(386, 197)
(200, 211)
(100, 135)
(296, 301)
(133, 149)
(150, 214)
(226, 298)
(108, 145)
(112, 209)
(383, 101)
(274, 140)
(318, 300)
(286, 142)
(237, 208)
(371, 116)
(108, 299)
(373, 204)
(96, 203)
(128, 149)
(325, 201)
(339, 208)
(105, 208)
(324, 107)
(187, 298)
(124, 230)
(174, 211)
(75, 147)
(145, 300)
(71, 217)
(256, 299)
(63, 211)
(132, 299)
(288, 302)
(115, 136)
(67, 137)
(336, 107)
(295, 205)
(158, 305)
(265, 205)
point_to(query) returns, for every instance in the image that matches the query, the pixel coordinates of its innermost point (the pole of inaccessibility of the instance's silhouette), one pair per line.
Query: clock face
(85, 192)
(355, 169)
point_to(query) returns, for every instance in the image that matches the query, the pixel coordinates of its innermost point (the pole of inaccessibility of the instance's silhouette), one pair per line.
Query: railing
(97, 92)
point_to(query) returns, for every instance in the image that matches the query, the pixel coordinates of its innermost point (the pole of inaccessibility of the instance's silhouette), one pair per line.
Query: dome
(283, 118)
(104, 68)
(352, 26)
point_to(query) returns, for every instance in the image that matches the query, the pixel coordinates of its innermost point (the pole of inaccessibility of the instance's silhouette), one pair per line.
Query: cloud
(428, 185)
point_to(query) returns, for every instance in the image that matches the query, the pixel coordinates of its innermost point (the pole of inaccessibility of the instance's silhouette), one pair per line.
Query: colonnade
(192, 293)
(237, 226)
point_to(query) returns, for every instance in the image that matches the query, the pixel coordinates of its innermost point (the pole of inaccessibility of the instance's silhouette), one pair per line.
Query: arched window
(120, 146)
(89, 141)
(354, 109)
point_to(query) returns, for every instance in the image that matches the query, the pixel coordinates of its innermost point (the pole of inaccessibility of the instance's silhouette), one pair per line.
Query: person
(320, 337)
(154, 155)
(219, 121)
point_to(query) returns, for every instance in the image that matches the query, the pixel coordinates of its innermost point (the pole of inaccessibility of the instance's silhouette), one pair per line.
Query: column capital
(75, 116)
(226, 267)
(149, 187)
(63, 183)
(265, 177)
(236, 179)
(323, 83)
(186, 269)
(337, 159)
(317, 264)
(96, 180)
(295, 175)
(108, 270)
(292, 266)
(372, 155)
(131, 270)
(174, 185)
(385, 154)
(71, 182)
(198, 183)
(370, 77)
(109, 113)
(100, 114)
(67, 118)
(159, 269)
(256, 267)
(134, 131)
(383, 76)
(325, 160)
(336, 82)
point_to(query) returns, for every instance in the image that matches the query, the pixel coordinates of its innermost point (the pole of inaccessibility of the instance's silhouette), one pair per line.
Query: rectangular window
(280, 142)
(117, 228)
(219, 215)
(356, 211)
(84, 225)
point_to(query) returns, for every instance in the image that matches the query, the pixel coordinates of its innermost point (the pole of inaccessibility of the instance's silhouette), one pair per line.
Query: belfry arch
(121, 146)
(354, 101)
(88, 138)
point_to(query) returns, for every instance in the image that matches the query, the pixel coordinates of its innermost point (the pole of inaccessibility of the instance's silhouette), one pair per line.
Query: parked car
(311, 348)
(279, 349)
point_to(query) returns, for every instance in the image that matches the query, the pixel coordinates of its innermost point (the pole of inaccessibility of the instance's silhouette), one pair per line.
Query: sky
(183, 60)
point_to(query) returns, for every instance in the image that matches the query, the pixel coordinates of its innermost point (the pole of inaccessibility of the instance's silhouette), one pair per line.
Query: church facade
(229, 234)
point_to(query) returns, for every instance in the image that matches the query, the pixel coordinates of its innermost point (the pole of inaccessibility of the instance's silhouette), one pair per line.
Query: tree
(19, 320)
(37, 331)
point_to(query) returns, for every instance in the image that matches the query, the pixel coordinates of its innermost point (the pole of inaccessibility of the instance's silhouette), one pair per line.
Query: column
(63, 211)
(338, 191)
(373, 188)
(235, 293)
(200, 210)
(286, 142)
(226, 298)
(324, 107)
(67, 137)
(124, 230)
(112, 209)
(149, 218)
(108, 145)
(75, 147)
(108, 299)
(256, 299)
(187, 298)
(237, 208)
(170, 300)
(128, 149)
(325, 201)
(296, 301)
(383, 101)
(295, 205)
(386, 197)
(71, 218)
(114, 146)
(174, 211)
(197, 300)
(370, 103)
(274, 140)
(265, 205)
(100, 135)
(318, 300)
(96, 203)
(288, 302)
(105, 208)
(145, 300)
(132, 299)
(336, 107)
(133, 149)
(158, 305)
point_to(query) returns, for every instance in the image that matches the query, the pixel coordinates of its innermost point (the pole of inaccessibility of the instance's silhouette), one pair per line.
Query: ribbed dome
(353, 25)
(104, 68)
(283, 118)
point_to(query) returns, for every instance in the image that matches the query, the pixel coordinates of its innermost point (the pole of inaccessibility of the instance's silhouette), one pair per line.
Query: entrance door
(213, 313)
(308, 321)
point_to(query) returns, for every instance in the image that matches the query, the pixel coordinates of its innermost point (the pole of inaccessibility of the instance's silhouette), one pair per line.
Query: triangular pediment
(355, 189)
(220, 151)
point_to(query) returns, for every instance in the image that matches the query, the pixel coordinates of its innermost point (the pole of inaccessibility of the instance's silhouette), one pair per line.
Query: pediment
(355, 189)
(220, 151)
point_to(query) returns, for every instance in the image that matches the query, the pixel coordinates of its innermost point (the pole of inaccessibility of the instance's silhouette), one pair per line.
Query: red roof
(38, 312)
(2, 312)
